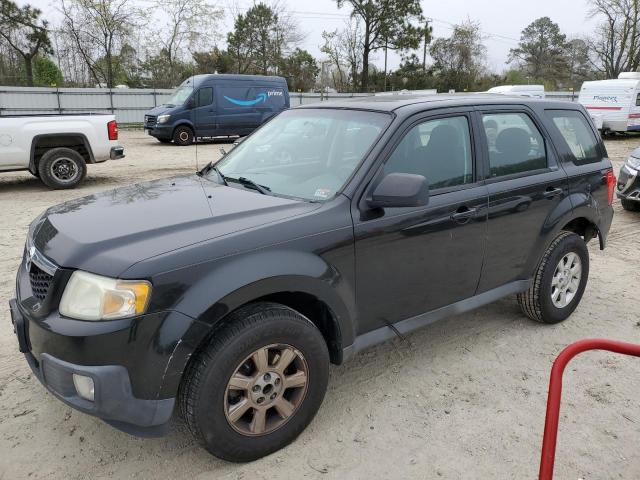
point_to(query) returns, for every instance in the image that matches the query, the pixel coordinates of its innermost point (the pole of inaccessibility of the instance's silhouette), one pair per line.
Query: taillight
(112, 129)
(611, 186)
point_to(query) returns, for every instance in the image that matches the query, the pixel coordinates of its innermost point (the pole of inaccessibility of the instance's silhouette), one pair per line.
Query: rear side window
(578, 135)
(439, 150)
(205, 96)
(515, 144)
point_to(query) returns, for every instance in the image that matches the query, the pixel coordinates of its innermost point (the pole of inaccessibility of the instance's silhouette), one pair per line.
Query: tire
(183, 136)
(165, 140)
(62, 168)
(209, 403)
(630, 205)
(537, 302)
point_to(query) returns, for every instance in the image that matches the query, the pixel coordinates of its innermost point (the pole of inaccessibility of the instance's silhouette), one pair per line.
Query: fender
(586, 206)
(36, 138)
(240, 280)
(180, 122)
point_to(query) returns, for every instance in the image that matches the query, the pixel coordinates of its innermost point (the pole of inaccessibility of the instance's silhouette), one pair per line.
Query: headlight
(634, 163)
(92, 297)
(163, 118)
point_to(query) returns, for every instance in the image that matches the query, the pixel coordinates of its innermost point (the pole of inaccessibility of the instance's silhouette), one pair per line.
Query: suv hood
(108, 232)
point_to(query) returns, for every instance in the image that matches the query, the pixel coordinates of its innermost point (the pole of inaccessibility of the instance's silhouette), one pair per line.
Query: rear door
(410, 261)
(525, 184)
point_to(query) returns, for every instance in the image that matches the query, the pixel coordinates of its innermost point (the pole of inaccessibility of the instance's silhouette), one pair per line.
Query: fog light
(84, 386)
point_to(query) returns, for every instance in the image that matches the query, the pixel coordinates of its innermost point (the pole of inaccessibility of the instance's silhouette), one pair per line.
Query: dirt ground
(463, 398)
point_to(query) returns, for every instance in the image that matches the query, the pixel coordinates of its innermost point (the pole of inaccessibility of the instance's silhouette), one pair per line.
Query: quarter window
(439, 150)
(578, 135)
(515, 144)
(205, 96)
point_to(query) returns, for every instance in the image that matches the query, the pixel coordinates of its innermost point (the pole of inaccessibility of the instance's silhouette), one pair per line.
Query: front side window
(305, 153)
(205, 96)
(515, 144)
(578, 135)
(439, 150)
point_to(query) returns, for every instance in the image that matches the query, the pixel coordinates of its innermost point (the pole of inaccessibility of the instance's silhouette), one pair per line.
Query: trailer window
(638, 100)
(578, 135)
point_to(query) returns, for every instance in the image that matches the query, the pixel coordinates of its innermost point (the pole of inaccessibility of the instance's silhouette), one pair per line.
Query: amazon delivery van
(614, 103)
(217, 105)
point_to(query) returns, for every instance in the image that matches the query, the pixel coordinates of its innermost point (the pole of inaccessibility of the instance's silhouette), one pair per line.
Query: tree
(184, 26)
(616, 42)
(301, 70)
(214, 61)
(459, 59)
(344, 50)
(387, 24)
(261, 38)
(99, 28)
(541, 52)
(25, 32)
(46, 73)
(579, 64)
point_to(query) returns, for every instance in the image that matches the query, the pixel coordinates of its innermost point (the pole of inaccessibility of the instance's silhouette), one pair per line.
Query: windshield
(305, 153)
(180, 95)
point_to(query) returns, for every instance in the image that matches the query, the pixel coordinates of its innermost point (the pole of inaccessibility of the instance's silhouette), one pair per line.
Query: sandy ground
(464, 398)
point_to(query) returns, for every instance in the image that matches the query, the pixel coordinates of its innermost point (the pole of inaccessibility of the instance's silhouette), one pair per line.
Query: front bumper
(159, 130)
(114, 400)
(628, 187)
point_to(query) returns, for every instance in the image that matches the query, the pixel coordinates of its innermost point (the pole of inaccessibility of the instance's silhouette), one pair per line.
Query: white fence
(129, 105)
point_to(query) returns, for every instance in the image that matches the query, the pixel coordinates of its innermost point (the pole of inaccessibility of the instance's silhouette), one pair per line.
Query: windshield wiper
(247, 182)
(211, 166)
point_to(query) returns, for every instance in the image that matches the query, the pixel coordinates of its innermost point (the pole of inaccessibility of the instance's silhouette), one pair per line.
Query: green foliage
(46, 73)
(459, 59)
(301, 70)
(542, 52)
(389, 24)
(214, 61)
(22, 29)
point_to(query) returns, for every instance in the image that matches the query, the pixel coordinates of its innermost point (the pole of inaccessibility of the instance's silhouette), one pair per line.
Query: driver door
(410, 261)
(204, 113)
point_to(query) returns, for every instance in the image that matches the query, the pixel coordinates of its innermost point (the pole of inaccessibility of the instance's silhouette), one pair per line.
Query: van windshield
(180, 95)
(306, 153)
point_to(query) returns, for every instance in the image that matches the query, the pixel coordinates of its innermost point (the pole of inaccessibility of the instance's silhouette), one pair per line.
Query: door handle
(463, 215)
(552, 192)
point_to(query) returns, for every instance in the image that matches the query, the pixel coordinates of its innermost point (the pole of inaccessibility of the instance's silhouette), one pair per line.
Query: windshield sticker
(323, 193)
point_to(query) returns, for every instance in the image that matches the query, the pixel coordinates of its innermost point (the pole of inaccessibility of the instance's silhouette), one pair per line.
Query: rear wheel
(559, 281)
(630, 205)
(183, 136)
(62, 168)
(257, 384)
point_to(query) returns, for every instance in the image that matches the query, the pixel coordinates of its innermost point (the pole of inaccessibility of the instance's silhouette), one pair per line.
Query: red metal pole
(555, 393)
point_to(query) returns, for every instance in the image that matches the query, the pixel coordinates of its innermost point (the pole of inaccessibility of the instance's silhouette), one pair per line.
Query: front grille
(40, 282)
(149, 121)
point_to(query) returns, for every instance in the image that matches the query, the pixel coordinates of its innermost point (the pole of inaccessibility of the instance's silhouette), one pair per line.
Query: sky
(501, 21)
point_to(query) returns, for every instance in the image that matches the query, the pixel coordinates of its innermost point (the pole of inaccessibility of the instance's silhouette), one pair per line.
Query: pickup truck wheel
(257, 384)
(630, 205)
(183, 136)
(62, 168)
(559, 281)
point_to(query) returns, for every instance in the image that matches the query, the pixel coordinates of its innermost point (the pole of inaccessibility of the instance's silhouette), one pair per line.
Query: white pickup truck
(57, 148)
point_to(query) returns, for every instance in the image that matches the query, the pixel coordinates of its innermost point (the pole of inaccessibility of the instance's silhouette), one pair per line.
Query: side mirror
(400, 190)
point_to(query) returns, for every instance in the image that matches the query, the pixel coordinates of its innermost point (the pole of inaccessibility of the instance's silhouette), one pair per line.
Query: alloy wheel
(566, 280)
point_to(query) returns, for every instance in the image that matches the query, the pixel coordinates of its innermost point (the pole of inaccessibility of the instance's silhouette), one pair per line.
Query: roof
(237, 77)
(618, 82)
(392, 103)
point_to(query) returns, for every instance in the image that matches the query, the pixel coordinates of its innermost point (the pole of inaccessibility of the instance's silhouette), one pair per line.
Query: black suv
(229, 292)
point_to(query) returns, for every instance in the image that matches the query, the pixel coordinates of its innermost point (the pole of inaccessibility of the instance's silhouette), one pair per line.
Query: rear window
(577, 134)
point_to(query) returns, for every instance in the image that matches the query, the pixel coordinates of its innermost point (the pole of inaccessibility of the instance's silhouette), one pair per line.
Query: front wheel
(257, 384)
(183, 136)
(559, 281)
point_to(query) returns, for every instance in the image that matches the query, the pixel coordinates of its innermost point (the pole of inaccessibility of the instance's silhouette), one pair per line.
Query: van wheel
(559, 281)
(62, 168)
(183, 136)
(257, 384)
(630, 205)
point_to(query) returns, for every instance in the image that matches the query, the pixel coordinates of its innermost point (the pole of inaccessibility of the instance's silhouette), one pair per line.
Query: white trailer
(615, 103)
(532, 91)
